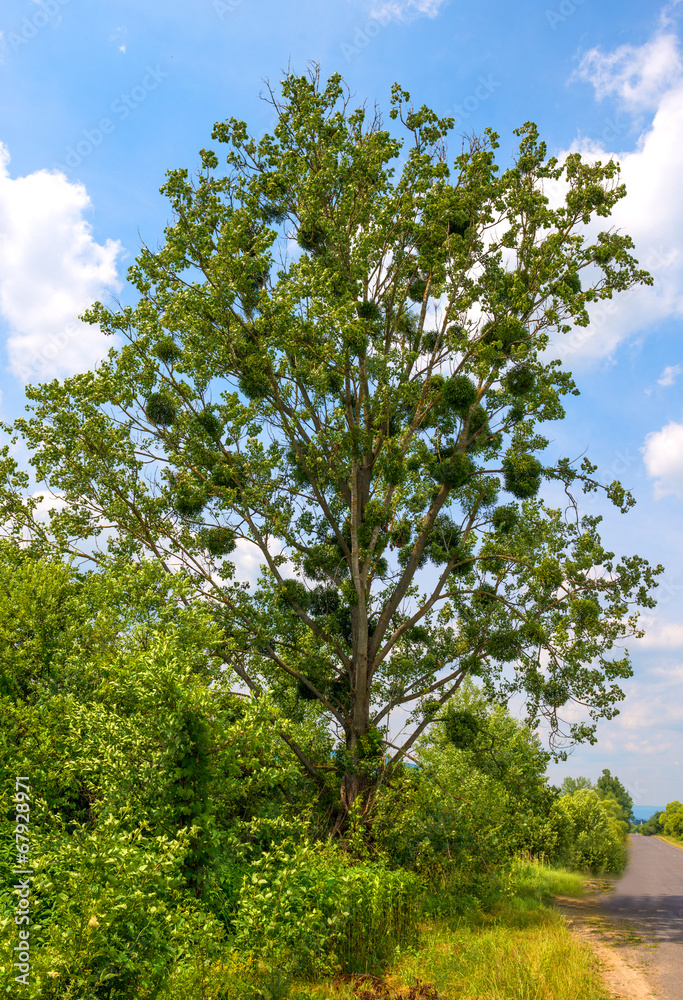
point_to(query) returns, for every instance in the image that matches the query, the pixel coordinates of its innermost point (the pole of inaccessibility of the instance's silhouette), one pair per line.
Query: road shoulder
(624, 950)
(671, 841)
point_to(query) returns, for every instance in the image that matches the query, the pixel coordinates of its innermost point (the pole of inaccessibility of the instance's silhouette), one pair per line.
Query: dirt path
(635, 924)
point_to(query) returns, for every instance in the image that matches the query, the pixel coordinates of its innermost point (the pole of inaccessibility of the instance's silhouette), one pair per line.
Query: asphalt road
(650, 893)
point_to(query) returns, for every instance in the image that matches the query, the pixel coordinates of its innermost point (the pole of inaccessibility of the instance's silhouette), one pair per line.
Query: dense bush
(594, 834)
(110, 915)
(478, 796)
(672, 819)
(306, 907)
(653, 825)
(177, 849)
(148, 778)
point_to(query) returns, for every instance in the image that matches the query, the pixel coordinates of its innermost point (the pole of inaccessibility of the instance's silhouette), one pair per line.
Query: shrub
(307, 908)
(653, 825)
(597, 837)
(672, 820)
(110, 916)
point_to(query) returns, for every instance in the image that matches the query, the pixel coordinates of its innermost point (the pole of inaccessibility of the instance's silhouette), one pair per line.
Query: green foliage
(109, 914)
(218, 541)
(304, 907)
(505, 333)
(461, 727)
(522, 474)
(672, 820)
(369, 310)
(167, 350)
(459, 393)
(654, 825)
(570, 785)
(144, 772)
(596, 833)
(505, 518)
(311, 420)
(610, 787)
(520, 380)
(478, 796)
(454, 472)
(160, 409)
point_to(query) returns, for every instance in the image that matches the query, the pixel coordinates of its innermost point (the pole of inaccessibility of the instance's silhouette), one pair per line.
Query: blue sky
(99, 100)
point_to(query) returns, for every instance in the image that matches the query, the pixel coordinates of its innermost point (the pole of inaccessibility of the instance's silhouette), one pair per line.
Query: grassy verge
(674, 841)
(520, 950)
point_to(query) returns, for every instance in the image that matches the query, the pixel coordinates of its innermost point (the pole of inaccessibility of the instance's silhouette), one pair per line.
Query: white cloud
(647, 746)
(661, 634)
(248, 561)
(51, 268)
(667, 13)
(663, 457)
(669, 375)
(652, 211)
(638, 76)
(648, 708)
(405, 10)
(672, 674)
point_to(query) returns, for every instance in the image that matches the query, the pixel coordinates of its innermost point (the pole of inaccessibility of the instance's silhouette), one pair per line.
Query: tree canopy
(609, 786)
(338, 360)
(570, 785)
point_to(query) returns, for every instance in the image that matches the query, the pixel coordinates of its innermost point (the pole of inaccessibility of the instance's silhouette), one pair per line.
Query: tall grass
(527, 954)
(364, 917)
(306, 907)
(519, 950)
(532, 879)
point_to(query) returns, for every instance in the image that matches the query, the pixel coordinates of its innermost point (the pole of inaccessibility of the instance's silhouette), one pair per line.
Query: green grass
(520, 949)
(674, 841)
(524, 955)
(535, 958)
(533, 880)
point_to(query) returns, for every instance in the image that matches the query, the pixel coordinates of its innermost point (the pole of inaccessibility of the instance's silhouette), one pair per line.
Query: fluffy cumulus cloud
(51, 268)
(661, 634)
(648, 746)
(641, 79)
(639, 76)
(663, 457)
(651, 710)
(405, 10)
(669, 375)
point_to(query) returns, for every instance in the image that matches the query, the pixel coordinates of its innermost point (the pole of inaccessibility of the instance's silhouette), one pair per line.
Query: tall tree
(570, 785)
(338, 358)
(609, 787)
